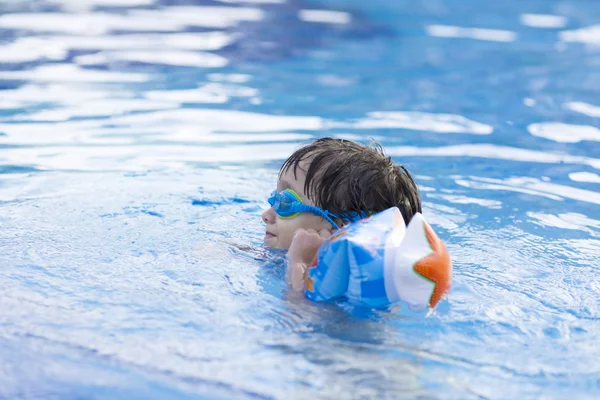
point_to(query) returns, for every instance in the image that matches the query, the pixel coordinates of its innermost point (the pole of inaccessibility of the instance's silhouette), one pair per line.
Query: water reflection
(585, 177)
(588, 35)
(325, 16)
(447, 31)
(71, 73)
(584, 108)
(567, 221)
(493, 152)
(544, 21)
(532, 186)
(429, 122)
(564, 133)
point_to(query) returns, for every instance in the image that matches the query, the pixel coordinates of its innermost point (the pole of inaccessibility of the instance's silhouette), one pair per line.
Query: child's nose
(268, 216)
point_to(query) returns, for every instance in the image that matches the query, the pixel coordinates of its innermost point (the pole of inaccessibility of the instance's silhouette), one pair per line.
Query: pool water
(139, 140)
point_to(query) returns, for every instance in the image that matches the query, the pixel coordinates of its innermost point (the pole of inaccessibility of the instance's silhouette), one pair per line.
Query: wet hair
(344, 176)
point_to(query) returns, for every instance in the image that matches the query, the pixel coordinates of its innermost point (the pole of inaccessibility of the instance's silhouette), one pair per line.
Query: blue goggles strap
(326, 215)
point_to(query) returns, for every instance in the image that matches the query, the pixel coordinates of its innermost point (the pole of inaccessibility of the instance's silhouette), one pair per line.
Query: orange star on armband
(310, 282)
(436, 267)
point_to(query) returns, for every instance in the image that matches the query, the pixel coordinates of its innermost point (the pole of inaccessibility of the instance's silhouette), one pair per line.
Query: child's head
(344, 178)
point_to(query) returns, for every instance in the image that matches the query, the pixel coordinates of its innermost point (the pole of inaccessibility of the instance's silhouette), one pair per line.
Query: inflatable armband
(378, 262)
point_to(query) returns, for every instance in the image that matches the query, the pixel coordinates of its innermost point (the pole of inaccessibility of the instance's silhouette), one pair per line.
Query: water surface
(140, 138)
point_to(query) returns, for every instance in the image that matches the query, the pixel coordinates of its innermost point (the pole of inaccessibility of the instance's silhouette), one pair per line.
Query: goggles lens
(285, 203)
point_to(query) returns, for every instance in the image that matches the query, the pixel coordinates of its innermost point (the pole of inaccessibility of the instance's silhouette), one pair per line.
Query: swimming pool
(140, 138)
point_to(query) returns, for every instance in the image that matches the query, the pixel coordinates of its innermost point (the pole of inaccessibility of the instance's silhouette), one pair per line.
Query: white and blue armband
(379, 261)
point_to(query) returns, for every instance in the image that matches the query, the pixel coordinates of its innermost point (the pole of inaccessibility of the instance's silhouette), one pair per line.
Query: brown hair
(345, 176)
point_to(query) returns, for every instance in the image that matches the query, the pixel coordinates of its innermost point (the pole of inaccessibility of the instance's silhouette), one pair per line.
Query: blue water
(138, 142)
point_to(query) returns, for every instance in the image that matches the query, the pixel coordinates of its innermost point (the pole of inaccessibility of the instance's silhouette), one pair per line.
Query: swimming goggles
(288, 204)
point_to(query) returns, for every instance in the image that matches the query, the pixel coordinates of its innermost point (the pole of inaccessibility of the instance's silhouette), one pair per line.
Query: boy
(325, 185)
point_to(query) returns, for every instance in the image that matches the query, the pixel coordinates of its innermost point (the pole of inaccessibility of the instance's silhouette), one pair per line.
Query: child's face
(279, 231)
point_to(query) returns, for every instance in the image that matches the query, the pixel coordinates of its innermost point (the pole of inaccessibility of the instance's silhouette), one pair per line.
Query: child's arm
(303, 250)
